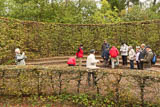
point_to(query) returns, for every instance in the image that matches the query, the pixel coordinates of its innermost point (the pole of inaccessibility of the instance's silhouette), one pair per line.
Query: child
(137, 57)
(20, 59)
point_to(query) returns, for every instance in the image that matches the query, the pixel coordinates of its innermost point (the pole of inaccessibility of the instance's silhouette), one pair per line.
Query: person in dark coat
(105, 52)
(142, 55)
(148, 57)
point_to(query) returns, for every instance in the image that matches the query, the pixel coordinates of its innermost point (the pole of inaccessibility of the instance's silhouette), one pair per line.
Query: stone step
(62, 58)
(57, 62)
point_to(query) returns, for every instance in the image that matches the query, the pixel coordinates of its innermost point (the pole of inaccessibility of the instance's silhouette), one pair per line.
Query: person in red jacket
(71, 61)
(79, 54)
(114, 56)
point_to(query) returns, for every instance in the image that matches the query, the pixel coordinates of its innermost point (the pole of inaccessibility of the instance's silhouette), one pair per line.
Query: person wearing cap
(131, 56)
(91, 65)
(148, 57)
(142, 55)
(114, 56)
(91, 60)
(137, 56)
(20, 58)
(79, 54)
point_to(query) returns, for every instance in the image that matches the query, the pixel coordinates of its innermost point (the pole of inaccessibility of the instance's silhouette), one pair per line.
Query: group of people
(142, 55)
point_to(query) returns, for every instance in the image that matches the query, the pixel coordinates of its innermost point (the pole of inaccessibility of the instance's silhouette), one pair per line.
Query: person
(71, 61)
(91, 65)
(79, 54)
(114, 56)
(131, 57)
(137, 56)
(20, 58)
(124, 53)
(142, 55)
(148, 57)
(106, 57)
(105, 52)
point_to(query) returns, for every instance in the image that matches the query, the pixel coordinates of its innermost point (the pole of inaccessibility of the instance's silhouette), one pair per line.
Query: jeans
(93, 77)
(141, 65)
(131, 64)
(138, 64)
(124, 60)
(105, 62)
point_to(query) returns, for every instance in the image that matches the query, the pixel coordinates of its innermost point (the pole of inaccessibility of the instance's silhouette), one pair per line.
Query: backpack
(154, 59)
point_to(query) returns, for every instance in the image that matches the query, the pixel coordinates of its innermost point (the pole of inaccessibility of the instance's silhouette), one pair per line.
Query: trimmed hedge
(123, 87)
(39, 39)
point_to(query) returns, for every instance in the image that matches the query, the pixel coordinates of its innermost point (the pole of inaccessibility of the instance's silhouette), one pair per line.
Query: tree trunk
(154, 2)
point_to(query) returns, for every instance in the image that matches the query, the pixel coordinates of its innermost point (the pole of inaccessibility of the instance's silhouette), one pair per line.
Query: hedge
(40, 39)
(123, 87)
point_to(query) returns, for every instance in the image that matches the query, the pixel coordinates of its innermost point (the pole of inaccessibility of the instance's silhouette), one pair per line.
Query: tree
(106, 14)
(2, 8)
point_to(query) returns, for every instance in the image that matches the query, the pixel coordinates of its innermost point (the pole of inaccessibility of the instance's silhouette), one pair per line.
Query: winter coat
(132, 54)
(71, 61)
(142, 54)
(147, 59)
(104, 48)
(124, 50)
(91, 62)
(114, 52)
(105, 54)
(79, 54)
(20, 59)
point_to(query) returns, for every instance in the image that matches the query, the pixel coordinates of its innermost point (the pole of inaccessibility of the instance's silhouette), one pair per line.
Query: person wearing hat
(91, 60)
(20, 58)
(148, 57)
(137, 56)
(91, 65)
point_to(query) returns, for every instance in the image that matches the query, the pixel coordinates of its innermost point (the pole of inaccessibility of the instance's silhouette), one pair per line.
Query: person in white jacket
(20, 58)
(91, 60)
(91, 65)
(132, 55)
(124, 53)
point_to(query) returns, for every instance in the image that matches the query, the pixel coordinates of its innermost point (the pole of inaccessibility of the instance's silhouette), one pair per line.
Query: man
(91, 65)
(105, 52)
(142, 55)
(20, 59)
(148, 57)
(114, 56)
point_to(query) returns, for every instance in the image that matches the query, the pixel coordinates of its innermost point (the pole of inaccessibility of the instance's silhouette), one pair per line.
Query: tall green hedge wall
(40, 39)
